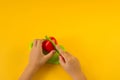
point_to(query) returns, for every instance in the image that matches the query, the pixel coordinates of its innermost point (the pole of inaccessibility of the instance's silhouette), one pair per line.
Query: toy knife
(53, 44)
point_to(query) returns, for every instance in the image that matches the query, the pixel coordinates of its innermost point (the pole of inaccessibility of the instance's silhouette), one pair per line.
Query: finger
(59, 49)
(35, 42)
(62, 53)
(49, 55)
(67, 56)
(39, 42)
(63, 58)
(61, 61)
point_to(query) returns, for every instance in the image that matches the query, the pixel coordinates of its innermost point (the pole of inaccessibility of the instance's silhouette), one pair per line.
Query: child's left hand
(37, 58)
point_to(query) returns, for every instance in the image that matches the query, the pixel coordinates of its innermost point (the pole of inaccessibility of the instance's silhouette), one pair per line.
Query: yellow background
(89, 29)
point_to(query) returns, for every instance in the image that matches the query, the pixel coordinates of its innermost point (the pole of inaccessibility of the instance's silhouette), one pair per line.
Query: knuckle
(70, 59)
(75, 59)
(66, 52)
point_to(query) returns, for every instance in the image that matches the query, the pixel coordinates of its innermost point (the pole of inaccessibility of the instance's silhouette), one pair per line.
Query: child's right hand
(70, 64)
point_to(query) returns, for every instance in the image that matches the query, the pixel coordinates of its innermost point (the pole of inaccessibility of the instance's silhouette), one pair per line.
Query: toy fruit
(48, 46)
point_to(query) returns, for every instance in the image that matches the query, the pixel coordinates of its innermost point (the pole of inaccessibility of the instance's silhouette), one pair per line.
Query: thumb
(49, 55)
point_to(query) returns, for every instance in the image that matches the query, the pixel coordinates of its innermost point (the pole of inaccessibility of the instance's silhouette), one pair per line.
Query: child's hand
(70, 64)
(37, 58)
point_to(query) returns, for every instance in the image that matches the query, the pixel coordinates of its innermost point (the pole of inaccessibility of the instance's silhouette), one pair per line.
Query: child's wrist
(31, 68)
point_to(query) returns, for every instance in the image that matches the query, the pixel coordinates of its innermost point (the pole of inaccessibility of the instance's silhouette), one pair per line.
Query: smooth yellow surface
(89, 29)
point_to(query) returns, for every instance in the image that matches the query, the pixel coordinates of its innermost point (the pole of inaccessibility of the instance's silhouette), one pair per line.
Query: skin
(37, 59)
